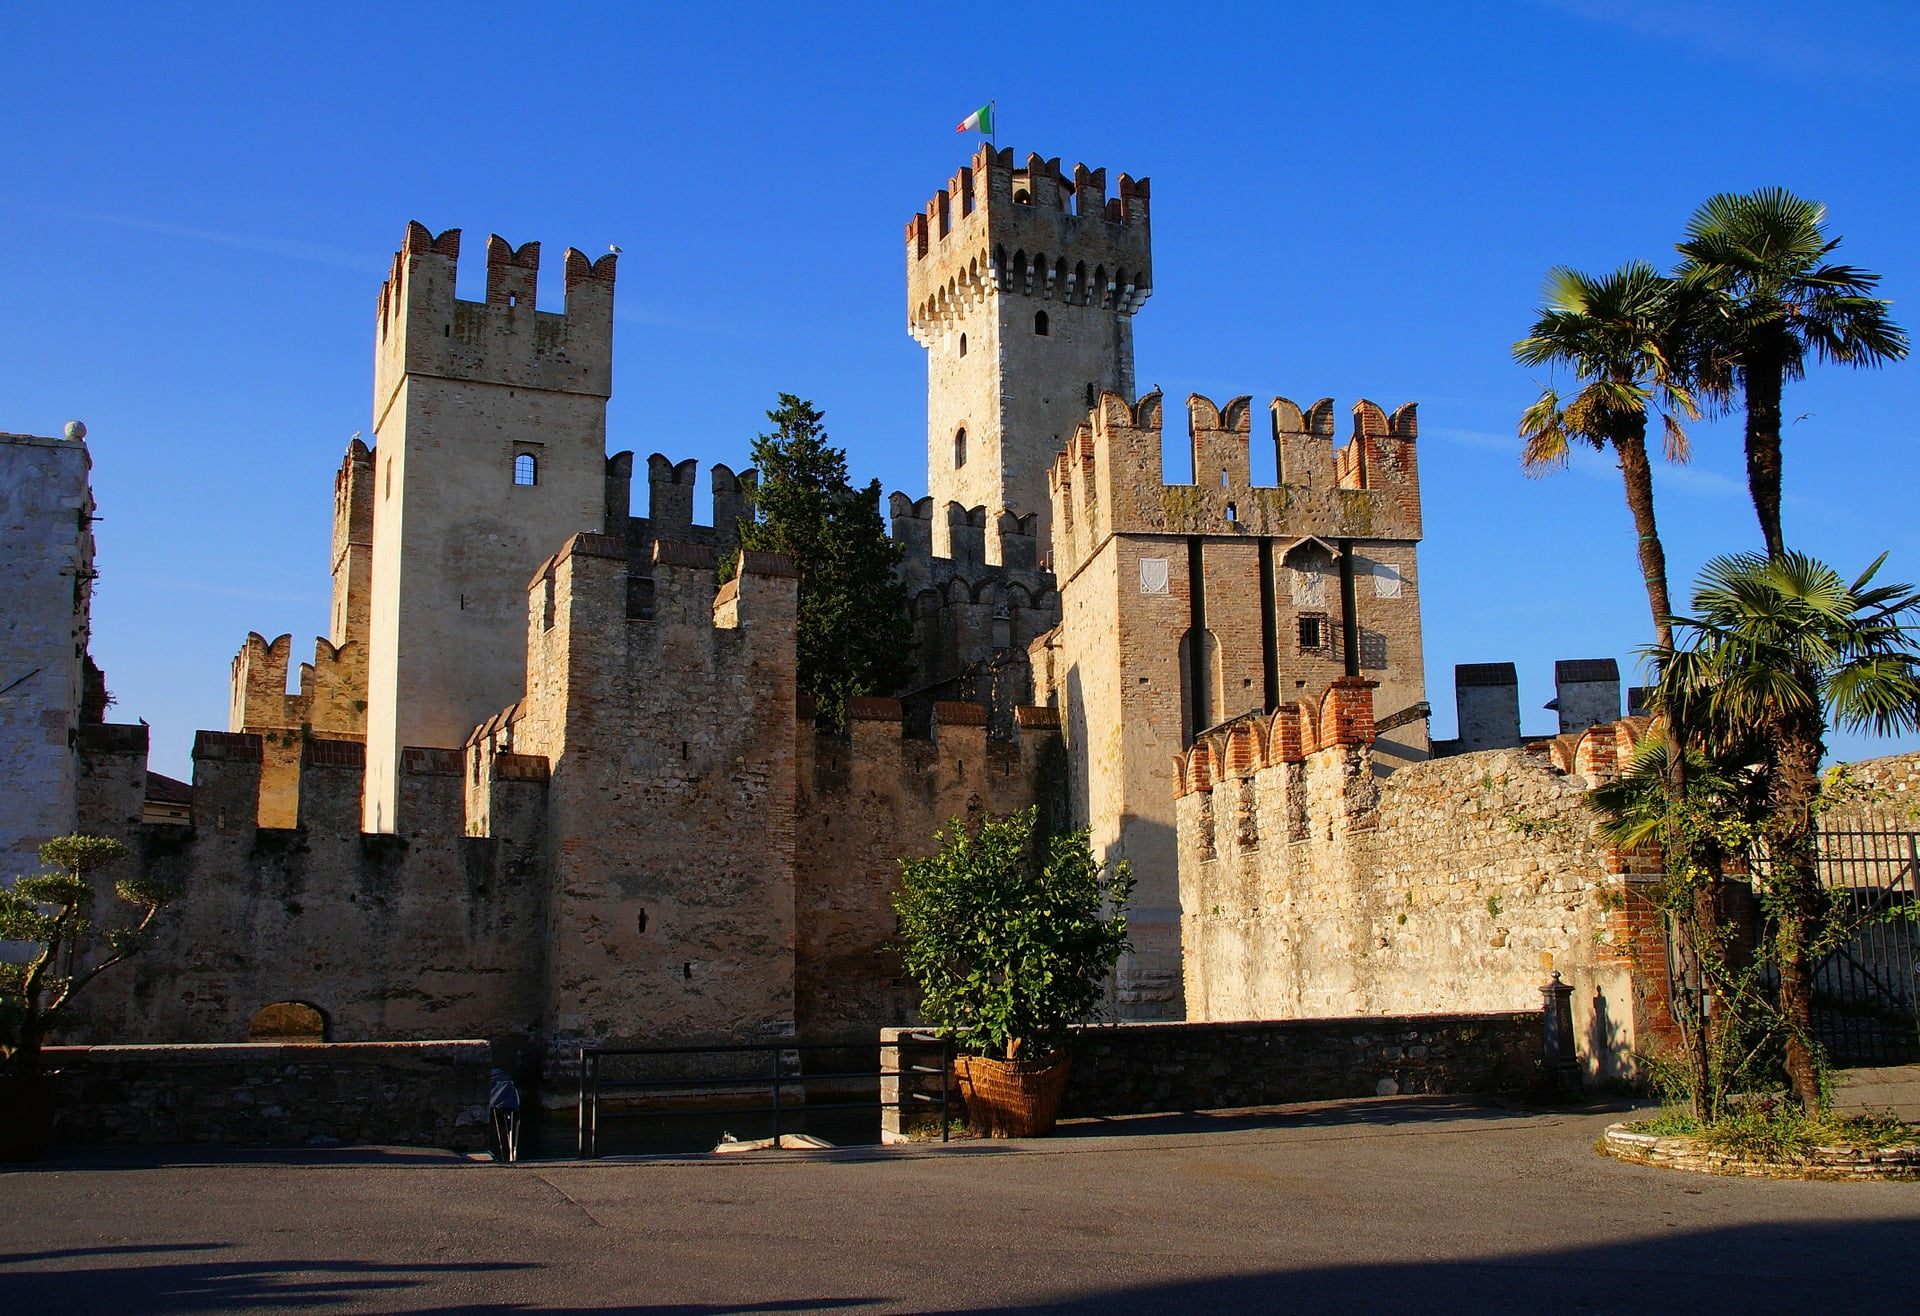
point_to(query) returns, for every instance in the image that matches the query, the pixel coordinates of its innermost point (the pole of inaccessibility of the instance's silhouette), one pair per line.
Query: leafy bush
(53, 913)
(1009, 935)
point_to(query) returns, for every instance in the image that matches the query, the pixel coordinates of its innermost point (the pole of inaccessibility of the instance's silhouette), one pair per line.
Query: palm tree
(1760, 261)
(1618, 333)
(1778, 650)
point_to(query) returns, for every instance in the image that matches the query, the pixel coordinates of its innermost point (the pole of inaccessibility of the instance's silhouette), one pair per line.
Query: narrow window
(963, 344)
(1040, 323)
(389, 492)
(1313, 632)
(1233, 513)
(959, 449)
(525, 469)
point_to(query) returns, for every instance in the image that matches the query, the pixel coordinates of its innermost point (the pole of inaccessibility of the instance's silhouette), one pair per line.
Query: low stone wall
(1133, 1069)
(1625, 1144)
(1137, 1068)
(430, 1094)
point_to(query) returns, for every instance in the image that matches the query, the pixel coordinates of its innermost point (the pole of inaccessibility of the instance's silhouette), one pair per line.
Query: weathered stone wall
(1140, 1068)
(1183, 606)
(426, 1094)
(1880, 793)
(671, 740)
(422, 933)
(868, 799)
(1314, 888)
(990, 254)
(46, 563)
(1137, 1068)
(463, 391)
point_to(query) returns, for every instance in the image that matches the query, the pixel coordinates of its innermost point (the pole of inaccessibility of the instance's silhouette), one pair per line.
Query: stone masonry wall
(670, 731)
(1136, 1069)
(423, 933)
(46, 563)
(427, 1094)
(865, 801)
(1313, 888)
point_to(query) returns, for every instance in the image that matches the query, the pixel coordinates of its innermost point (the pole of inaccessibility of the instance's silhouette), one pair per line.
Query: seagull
(615, 250)
(1798, 419)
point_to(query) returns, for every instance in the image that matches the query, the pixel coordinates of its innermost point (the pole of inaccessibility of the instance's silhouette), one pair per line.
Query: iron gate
(1866, 993)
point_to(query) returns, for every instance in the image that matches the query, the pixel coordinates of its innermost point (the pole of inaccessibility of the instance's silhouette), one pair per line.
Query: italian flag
(980, 121)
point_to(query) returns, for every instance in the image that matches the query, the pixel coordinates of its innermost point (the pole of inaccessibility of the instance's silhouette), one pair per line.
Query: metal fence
(1866, 993)
(667, 1082)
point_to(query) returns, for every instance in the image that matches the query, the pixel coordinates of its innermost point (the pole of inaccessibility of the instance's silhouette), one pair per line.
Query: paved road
(1421, 1205)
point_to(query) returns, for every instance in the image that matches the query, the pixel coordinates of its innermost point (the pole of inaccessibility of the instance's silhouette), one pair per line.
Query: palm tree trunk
(1762, 381)
(1795, 876)
(1637, 473)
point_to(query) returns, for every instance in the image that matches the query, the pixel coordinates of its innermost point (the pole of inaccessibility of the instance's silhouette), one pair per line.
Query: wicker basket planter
(1012, 1098)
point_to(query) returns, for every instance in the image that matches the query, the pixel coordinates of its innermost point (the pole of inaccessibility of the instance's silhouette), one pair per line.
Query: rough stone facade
(545, 784)
(1312, 887)
(428, 1094)
(492, 449)
(1186, 605)
(1021, 284)
(1138, 1069)
(46, 553)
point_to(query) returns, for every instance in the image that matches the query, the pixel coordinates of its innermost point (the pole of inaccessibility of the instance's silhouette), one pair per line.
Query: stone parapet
(428, 1094)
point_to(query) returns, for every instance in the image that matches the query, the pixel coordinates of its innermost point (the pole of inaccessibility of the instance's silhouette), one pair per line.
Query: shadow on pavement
(1790, 1266)
(1378, 1111)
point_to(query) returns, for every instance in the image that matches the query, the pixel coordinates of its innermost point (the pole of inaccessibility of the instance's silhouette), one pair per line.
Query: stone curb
(1833, 1163)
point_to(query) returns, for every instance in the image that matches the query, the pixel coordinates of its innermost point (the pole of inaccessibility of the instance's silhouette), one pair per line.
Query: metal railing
(1867, 990)
(781, 1071)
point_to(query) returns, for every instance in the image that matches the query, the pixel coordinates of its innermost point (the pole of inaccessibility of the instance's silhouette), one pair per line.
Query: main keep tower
(492, 425)
(1022, 284)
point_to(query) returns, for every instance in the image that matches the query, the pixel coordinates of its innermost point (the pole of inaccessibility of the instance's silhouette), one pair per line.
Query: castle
(544, 783)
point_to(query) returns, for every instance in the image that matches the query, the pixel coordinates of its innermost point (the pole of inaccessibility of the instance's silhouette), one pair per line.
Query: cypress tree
(855, 637)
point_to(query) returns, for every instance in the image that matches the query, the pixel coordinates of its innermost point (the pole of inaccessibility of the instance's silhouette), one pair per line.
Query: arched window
(963, 344)
(525, 469)
(1040, 323)
(959, 448)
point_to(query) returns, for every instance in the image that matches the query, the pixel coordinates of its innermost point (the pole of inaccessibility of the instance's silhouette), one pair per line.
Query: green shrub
(1009, 935)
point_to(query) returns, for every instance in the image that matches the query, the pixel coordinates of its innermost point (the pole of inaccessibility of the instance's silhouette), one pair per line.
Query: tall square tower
(1022, 284)
(492, 425)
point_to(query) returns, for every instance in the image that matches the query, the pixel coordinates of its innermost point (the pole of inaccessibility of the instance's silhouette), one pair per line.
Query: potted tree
(1011, 936)
(52, 913)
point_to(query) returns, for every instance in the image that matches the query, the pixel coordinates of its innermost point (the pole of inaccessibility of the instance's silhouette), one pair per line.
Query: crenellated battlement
(1030, 231)
(1109, 479)
(669, 516)
(422, 328)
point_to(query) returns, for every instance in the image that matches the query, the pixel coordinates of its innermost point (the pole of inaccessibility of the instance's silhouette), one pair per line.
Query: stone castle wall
(1311, 887)
(866, 800)
(430, 931)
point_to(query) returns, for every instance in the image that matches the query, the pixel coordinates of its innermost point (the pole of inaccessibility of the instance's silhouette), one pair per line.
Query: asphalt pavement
(1417, 1204)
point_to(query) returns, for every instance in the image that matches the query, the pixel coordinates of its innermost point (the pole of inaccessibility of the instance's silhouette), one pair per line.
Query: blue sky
(200, 203)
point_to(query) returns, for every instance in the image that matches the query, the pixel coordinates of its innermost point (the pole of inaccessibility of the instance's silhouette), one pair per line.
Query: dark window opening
(963, 344)
(1022, 198)
(525, 469)
(1313, 632)
(1040, 323)
(959, 449)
